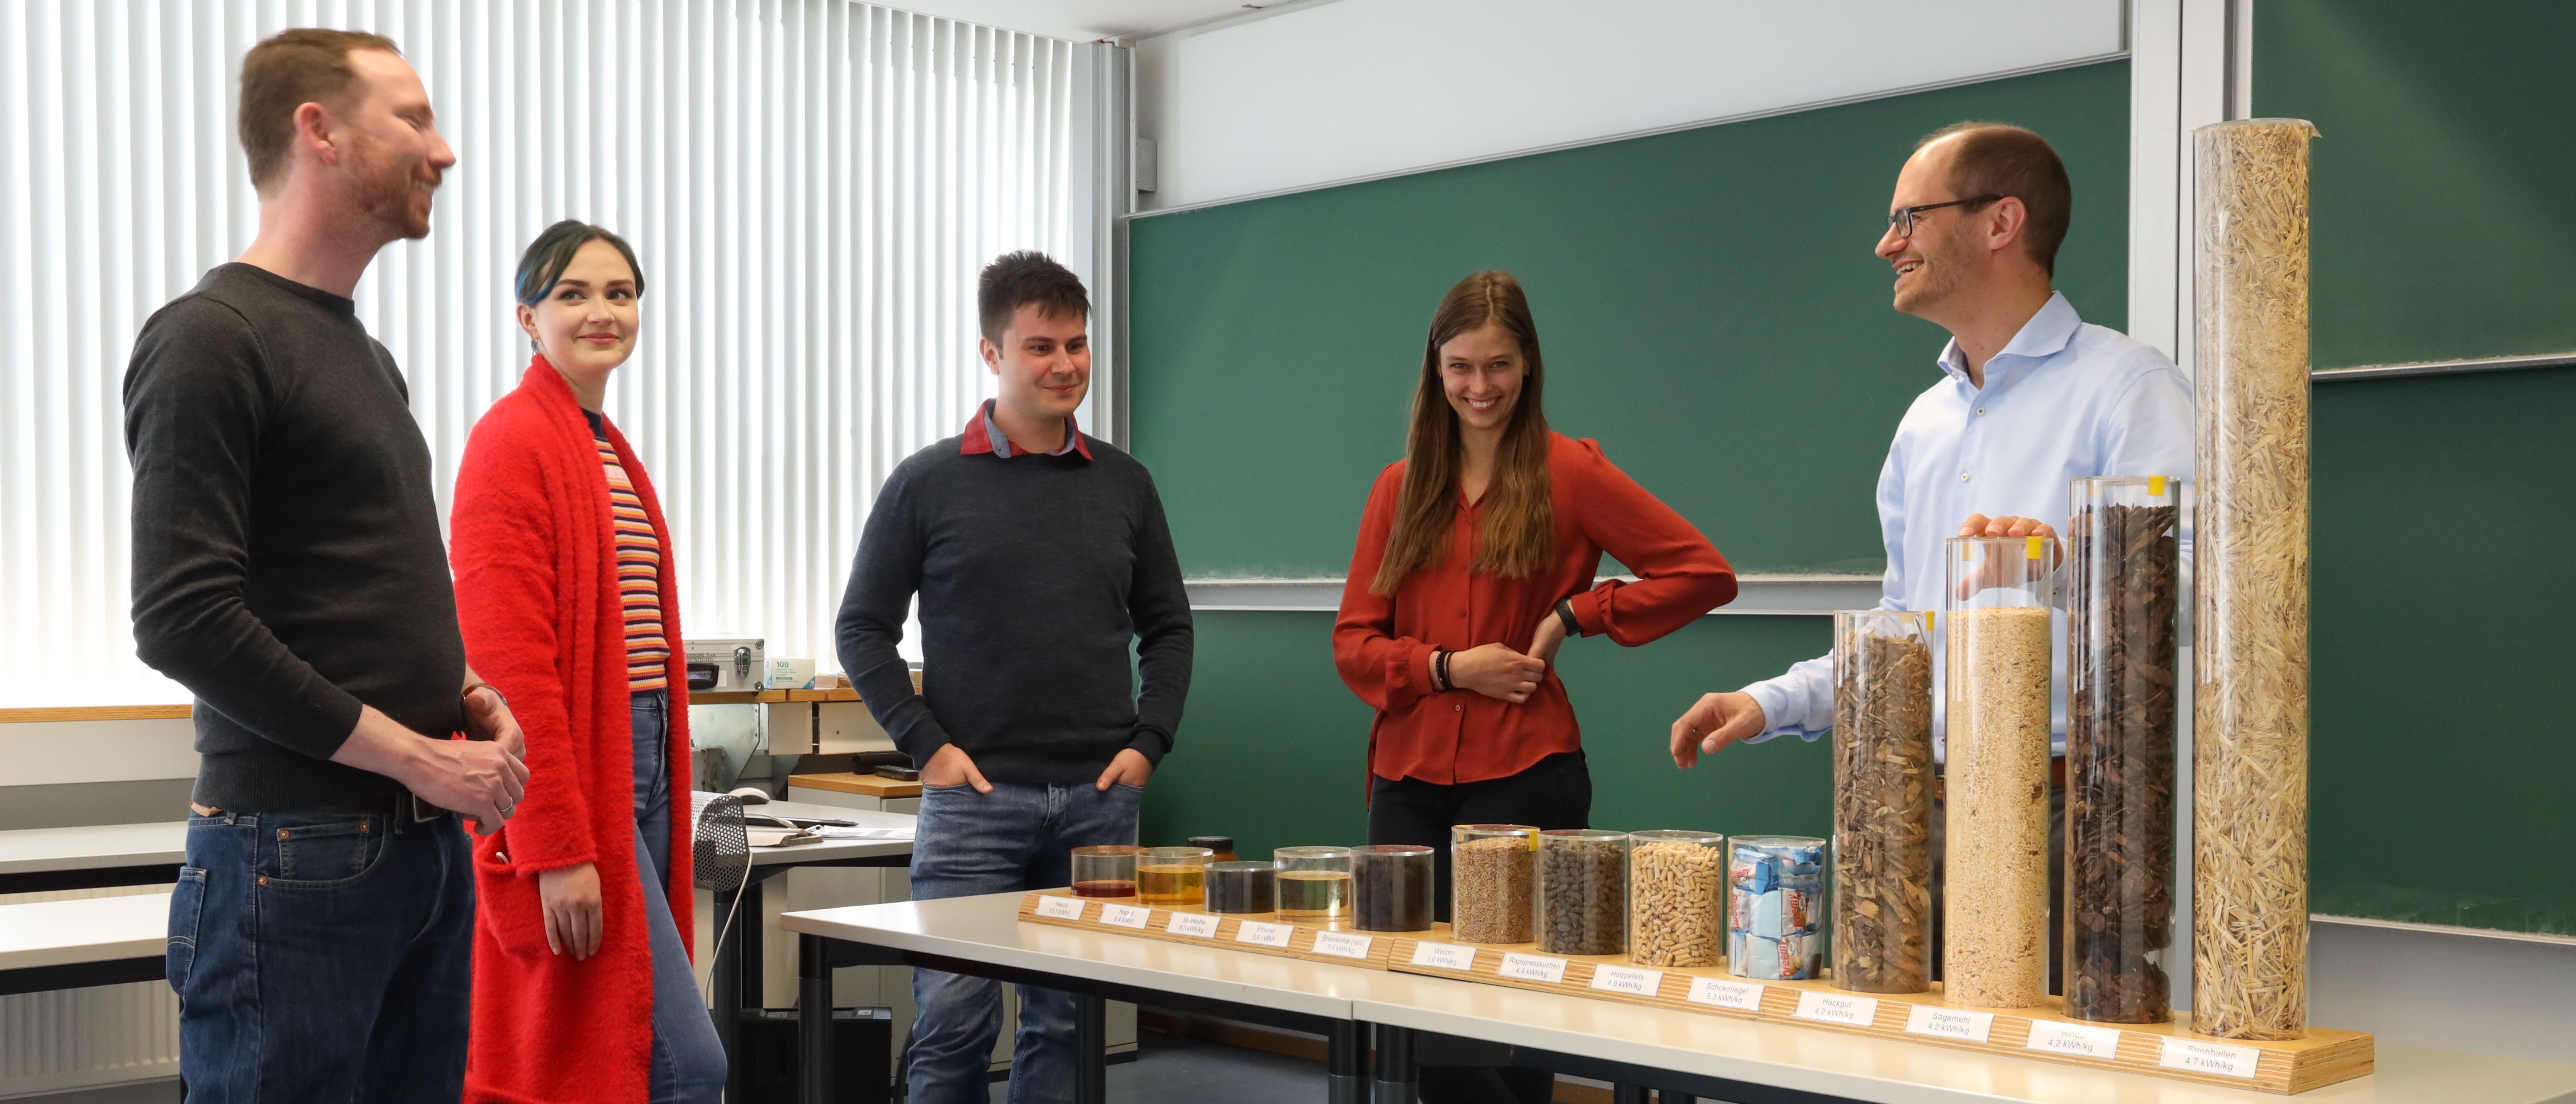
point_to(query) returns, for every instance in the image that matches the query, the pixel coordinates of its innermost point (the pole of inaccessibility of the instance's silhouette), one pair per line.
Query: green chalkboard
(2440, 231)
(1707, 301)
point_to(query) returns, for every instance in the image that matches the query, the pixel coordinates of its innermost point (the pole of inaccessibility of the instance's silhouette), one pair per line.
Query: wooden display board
(2325, 1057)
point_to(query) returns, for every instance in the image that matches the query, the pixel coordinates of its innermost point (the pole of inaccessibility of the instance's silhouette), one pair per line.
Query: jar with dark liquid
(1314, 883)
(1242, 887)
(1169, 876)
(1105, 871)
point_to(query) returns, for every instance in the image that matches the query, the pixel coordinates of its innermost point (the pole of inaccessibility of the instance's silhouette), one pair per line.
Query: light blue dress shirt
(2064, 400)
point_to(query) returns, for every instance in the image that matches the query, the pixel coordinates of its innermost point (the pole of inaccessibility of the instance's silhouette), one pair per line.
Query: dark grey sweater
(287, 558)
(1036, 576)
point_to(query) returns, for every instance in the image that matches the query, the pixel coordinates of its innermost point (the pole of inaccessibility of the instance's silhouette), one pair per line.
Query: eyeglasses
(1902, 219)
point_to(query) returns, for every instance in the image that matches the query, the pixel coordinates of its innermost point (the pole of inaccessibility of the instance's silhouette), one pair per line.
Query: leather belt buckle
(408, 805)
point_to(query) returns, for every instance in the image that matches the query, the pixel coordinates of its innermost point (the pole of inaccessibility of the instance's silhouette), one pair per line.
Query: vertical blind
(811, 186)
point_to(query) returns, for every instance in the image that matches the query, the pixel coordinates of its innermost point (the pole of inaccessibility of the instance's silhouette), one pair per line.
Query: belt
(400, 805)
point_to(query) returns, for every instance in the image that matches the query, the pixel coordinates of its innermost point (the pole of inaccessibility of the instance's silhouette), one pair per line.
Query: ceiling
(1084, 20)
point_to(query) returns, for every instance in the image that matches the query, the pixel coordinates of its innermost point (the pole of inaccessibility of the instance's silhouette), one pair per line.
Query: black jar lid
(1214, 843)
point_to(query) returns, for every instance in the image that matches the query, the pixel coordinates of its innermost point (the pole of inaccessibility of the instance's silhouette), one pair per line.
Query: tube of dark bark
(2124, 571)
(1882, 801)
(1392, 882)
(1242, 887)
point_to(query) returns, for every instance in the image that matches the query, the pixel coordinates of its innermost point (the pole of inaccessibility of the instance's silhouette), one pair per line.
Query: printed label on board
(1266, 935)
(1342, 944)
(1949, 1023)
(1627, 979)
(1444, 956)
(1198, 924)
(2075, 1039)
(1726, 994)
(1060, 908)
(1533, 968)
(1837, 1008)
(1125, 916)
(2205, 1057)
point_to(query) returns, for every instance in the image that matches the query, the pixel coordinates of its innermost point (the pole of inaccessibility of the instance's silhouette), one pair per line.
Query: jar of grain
(1995, 902)
(1676, 897)
(1492, 868)
(1582, 891)
(1882, 801)
(1775, 899)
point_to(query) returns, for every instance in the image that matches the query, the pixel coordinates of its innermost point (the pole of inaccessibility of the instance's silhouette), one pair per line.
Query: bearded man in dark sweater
(1040, 557)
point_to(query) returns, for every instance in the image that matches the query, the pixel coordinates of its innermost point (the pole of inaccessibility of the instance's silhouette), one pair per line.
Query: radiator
(82, 1038)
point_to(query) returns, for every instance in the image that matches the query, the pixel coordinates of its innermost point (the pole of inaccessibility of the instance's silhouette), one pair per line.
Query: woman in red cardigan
(582, 984)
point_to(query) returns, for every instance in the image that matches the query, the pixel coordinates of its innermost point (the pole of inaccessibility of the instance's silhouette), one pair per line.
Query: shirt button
(1458, 708)
(1963, 477)
(1981, 412)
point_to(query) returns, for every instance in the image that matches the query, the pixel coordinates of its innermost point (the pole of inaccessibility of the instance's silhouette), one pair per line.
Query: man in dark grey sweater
(1040, 557)
(288, 571)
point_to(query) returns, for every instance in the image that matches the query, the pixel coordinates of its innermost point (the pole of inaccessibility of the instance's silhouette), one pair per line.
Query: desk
(35, 860)
(734, 980)
(1419, 1019)
(80, 943)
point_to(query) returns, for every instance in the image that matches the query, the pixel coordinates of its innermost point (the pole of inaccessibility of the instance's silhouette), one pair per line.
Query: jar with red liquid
(1108, 870)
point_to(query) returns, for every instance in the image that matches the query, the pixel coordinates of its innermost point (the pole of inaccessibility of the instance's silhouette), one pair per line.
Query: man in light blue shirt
(2031, 397)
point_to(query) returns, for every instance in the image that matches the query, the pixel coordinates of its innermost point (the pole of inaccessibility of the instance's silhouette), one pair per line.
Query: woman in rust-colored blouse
(1475, 561)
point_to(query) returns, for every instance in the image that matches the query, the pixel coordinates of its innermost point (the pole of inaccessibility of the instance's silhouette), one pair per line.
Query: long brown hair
(1519, 531)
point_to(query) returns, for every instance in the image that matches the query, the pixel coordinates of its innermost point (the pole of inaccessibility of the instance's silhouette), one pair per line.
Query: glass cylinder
(1582, 891)
(1223, 846)
(1995, 902)
(1242, 887)
(1775, 901)
(1314, 882)
(1492, 868)
(1883, 801)
(1170, 876)
(1676, 897)
(1391, 887)
(1105, 871)
(2249, 870)
(2124, 585)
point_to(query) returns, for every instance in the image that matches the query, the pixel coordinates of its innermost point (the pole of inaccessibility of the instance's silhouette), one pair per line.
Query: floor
(1171, 1068)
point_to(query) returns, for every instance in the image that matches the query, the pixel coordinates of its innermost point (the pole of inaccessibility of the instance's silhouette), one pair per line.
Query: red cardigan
(1380, 643)
(535, 560)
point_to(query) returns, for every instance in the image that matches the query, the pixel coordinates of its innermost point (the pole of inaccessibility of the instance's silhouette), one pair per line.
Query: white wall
(1361, 88)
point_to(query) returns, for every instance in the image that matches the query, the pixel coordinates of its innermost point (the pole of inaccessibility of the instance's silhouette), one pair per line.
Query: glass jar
(2124, 576)
(1775, 900)
(1237, 888)
(1882, 801)
(1170, 876)
(1491, 870)
(1582, 891)
(1314, 882)
(1676, 897)
(1391, 887)
(1995, 898)
(1222, 845)
(1105, 871)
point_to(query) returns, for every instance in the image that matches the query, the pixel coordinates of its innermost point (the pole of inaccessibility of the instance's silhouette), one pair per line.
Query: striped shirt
(639, 572)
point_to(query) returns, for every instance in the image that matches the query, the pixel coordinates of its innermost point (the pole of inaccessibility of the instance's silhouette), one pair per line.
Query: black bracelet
(1440, 670)
(1565, 613)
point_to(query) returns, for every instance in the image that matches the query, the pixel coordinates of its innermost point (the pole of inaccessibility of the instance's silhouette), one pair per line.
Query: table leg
(1668, 1096)
(1090, 1048)
(1346, 1057)
(814, 1020)
(749, 941)
(1628, 1094)
(1397, 1078)
(724, 984)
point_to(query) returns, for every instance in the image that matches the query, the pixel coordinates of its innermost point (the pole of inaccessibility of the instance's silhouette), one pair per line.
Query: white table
(79, 943)
(737, 968)
(39, 859)
(1418, 1019)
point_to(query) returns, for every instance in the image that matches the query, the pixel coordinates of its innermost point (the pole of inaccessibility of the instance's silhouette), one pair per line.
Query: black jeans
(1555, 792)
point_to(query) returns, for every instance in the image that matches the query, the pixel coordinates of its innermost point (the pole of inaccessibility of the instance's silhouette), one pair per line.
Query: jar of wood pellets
(1775, 898)
(1391, 887)
(1996, 674)
(1314, 882)
(1582, 891)
(1492, 868)
(1242, 887)
(1170, 876)
(2124, 567)
(1676, 898)
(1882, 801)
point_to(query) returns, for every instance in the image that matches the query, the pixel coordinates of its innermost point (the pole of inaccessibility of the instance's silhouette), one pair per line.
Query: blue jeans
(965, 843)
(323, 955)
(688, 1061)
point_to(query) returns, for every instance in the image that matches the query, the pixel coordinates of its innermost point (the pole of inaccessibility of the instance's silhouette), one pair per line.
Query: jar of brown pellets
(1582, 891)
(1676, 897)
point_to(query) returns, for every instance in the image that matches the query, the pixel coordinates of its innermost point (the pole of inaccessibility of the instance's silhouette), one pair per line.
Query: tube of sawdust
(2250, 659)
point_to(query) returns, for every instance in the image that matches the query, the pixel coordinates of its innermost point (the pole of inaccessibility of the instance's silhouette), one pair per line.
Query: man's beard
(385, 192)
(1936, 280)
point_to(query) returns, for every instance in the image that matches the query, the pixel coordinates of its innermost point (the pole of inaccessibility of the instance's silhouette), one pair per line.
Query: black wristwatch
(1565, 613)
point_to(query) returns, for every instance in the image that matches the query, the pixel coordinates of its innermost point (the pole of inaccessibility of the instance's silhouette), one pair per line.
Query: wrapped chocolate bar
(1775, 900)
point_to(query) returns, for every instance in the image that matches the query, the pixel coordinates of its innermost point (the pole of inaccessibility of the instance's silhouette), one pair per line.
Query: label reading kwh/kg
(1626, 979)
(1726, 994)
(2075, 1039)
(1060, 908)
(1125, 916)
(1949, 1023)
(1836, 1008)
(1533, 968)
(1195, 924)
(2204, 1057)
(1342, 944)
(1444, 956)
(1263, 935)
